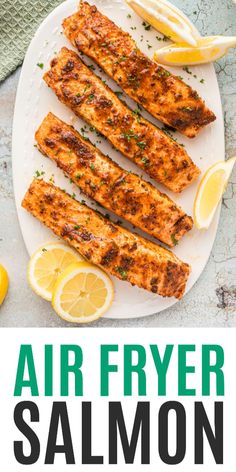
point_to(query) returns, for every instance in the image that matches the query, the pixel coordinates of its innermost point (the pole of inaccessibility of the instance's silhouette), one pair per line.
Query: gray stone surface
(212, 301)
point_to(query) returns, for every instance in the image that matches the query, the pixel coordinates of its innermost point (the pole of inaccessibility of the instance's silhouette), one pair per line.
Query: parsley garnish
(186, 69)
(145, 161)
(122, 272)
(39, 173)
(174, 240)
(146, 26)
(40, 65)
(141, 144)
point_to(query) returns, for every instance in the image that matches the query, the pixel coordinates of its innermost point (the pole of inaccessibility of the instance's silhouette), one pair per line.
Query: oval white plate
(34, 100)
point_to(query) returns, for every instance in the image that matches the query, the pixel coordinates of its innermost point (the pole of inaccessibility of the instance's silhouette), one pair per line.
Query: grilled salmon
(139, 140)
(161, 93)
(119, 252)
(122, 192)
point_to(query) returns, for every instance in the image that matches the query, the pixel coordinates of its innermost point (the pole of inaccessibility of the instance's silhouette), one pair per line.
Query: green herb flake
(39, 173)
(77, 227)
(110, 121)
(118, 93)
(187, 109)
(174, 240)
(186, 69)
(122, 272)
(92, 167)
(141, 144)
(40, 65)
(121, 59)
(146, 26)
(145, 161)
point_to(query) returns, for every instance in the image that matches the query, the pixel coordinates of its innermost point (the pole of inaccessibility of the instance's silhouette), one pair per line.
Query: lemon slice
(167, 19)
(82, 293)
(208, 49)
(46, 265)
(4, 283)
(210, 191)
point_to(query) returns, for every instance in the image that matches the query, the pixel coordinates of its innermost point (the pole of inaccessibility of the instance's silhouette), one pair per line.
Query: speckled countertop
(212, 301)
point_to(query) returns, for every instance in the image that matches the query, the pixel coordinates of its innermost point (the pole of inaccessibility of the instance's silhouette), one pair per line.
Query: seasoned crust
(119, 252)
(122, 192)
(150, 148)
(162, 94)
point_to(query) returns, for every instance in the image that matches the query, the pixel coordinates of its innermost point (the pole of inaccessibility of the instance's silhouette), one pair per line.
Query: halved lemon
(210, 191)
(4, 283)
(208, 49)
(167, 19)
(46, 264)
(82, 293)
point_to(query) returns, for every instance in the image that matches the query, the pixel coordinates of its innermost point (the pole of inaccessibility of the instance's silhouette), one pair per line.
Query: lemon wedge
(82, 293)
(210, 191)
(167, 19)
(46, 264)
(4, 283)
(208, 49)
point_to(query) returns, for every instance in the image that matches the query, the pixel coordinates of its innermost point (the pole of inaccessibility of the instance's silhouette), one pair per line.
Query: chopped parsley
(129, 135)
(129, 16)
(186, 69)
(174, 240)
(187, 109)
(121, 59)
(92, 67)
(145, 161)
(146, 26)
(137, 115)
(118, 93)
(202, 81)
(39, 173)
(122, 272)
(90, 97)
(141, 144)
(40, 65)
(110, 121)
(92, 167)
(77, 227)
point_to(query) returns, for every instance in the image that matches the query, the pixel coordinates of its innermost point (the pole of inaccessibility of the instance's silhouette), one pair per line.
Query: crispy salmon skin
(120, 191)
(119, 252)
(161, 93)
(143, 143)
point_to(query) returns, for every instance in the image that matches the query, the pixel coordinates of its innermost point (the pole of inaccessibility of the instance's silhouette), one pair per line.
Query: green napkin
(19, 20)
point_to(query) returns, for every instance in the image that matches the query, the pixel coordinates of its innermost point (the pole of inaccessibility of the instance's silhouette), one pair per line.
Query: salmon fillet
(122, 192)
(119, 252)
(152, 150)
(161, 93)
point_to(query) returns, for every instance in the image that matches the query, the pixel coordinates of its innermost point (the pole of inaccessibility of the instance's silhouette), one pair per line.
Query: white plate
(34, 100)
